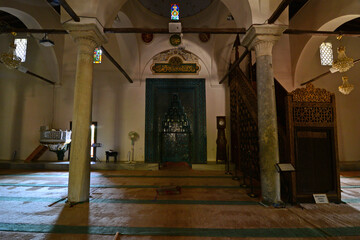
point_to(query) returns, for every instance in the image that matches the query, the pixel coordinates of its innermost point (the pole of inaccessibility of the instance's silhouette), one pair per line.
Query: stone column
(87, 37)
(262, 38)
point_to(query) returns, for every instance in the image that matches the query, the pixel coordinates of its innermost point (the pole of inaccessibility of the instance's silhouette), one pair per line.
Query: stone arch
(328, 18)
(203, 57)
(49, 54)
(241, 10)
(129, 56)
(104, 11)
(313, 44)
(245, 12)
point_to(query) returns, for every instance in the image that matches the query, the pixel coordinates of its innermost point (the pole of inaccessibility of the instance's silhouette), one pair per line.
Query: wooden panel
(315, 162)
(311, 132)
(244, 131)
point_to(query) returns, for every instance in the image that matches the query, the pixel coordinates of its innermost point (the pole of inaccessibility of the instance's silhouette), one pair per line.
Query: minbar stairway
(37, 153)
(299, 136)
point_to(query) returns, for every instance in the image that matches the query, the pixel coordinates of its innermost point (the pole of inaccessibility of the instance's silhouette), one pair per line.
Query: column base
(279, 204)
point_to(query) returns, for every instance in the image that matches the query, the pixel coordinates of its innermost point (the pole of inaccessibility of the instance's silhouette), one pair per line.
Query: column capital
(87, 32)
(262, 38)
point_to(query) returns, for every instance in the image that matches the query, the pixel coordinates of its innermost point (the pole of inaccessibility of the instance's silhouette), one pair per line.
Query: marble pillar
(87, 37)
(262, 38)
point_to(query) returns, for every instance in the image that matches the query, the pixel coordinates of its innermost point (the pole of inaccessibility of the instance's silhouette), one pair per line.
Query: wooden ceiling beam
(40, 77)
(278, 11)
(26, 71)
(229, 31)
(117, 65)
(69, 10)
(322, 75)
(26, 30)
(188, 31)
(184, 30)
(321, 33)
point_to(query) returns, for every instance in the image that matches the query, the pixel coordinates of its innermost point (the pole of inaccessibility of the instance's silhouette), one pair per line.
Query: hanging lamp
(343, 63)
(346, 87)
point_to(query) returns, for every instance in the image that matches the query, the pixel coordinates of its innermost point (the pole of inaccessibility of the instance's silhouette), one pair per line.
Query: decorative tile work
(158, 97)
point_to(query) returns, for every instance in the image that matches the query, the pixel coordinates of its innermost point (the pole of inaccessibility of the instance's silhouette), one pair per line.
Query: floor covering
(211, 206)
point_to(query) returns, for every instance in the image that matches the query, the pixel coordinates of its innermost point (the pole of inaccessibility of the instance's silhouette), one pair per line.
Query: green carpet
(132, 201)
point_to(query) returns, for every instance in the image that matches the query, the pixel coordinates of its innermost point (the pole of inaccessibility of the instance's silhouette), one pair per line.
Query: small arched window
(97, 55)
(175, 12)
(21, 46)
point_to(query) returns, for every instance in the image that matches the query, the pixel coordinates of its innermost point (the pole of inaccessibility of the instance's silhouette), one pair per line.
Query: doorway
(93, 136)
(159, 94)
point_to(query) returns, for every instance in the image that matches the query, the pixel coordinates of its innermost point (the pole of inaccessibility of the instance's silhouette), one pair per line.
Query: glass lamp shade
(346, 87)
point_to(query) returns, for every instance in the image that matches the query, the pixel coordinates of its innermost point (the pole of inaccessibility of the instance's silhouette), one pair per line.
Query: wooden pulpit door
(315, 163)
(159, 97)
(311, 120)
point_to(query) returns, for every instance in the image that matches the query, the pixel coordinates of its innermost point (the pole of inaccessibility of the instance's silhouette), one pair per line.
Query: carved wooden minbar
(312, 135)
(244, 131)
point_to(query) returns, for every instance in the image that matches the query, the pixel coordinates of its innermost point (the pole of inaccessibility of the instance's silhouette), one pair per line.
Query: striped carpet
(210, 206)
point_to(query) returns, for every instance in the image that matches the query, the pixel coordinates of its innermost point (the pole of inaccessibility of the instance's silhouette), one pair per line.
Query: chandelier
(10, 59)
(346, 87)
(343, 63)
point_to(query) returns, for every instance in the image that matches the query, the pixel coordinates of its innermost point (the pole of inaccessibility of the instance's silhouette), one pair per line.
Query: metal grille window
(326, 54)
(21, 45)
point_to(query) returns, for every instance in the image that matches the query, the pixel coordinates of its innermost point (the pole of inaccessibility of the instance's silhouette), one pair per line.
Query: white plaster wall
(347, 105)
(26, 103)
(119, 107)
(282, 63)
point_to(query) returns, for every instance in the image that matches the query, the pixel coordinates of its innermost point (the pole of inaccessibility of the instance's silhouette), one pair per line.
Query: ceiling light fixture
(46, 42)
(346, 87)
(343, 63)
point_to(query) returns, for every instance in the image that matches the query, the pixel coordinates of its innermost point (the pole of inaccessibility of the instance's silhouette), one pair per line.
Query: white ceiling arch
(330, 15)
(27, 15)
(312, 45)
(245, 12)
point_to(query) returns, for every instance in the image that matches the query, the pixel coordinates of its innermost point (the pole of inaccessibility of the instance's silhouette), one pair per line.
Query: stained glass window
(175, 11)
(97, 55)
(21, 45)
(326, 54)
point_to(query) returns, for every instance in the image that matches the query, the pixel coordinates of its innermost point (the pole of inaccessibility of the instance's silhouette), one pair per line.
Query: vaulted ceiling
(295, 6)
(353, 25)
(187, 7)
(55, 4)
(10, 21)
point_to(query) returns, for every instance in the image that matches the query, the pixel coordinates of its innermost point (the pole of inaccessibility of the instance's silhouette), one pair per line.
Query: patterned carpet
(211, 206)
